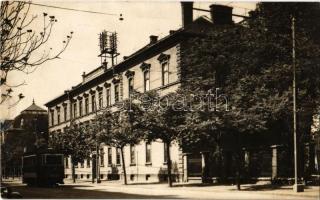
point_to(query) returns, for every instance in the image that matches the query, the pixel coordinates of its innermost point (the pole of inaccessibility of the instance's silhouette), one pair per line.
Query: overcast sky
(141, 19)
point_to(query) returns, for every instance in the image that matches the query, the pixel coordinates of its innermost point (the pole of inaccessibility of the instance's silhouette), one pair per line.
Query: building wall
(139, 171)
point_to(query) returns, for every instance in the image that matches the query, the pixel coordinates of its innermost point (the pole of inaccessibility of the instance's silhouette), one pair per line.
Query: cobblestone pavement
(115, 189)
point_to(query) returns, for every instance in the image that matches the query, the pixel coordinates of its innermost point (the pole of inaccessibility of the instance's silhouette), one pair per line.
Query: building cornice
(137, 57)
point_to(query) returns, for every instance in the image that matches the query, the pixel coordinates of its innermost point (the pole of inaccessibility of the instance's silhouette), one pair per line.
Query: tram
(42, 169)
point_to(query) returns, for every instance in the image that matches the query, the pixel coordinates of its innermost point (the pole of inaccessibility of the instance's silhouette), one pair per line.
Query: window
(80, 107)
(165, 158)
(100, 99)
(88, 162)
(118, 156)
(86, 105)
(146, 79)
(148, 152)
(65, 112)
(165, 73)
(82, 164)
(74, 110)
(132, 155)
(108, 97)
(53, 160)
(109, 156)
(101, 157)
(66, 161)
(130, 86)
(93, 102)
(58, 115)
(116, 92)
(52, 117)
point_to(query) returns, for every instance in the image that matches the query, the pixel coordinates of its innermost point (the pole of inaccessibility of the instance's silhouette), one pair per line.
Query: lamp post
(97, 147)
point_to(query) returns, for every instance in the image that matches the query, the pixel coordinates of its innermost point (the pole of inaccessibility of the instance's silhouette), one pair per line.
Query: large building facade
(156, 66)
(159, 66)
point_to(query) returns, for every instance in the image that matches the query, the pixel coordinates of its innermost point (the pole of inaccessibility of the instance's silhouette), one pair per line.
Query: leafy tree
(121, 128)
(99, 131)
(161, 116)
(72, 142)
(252, 65)
(20, 45)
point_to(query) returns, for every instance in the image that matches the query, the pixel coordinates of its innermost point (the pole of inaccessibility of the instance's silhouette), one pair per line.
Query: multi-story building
(156, 66)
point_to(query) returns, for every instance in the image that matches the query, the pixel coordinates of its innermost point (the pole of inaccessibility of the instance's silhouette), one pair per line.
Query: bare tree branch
(20, 45)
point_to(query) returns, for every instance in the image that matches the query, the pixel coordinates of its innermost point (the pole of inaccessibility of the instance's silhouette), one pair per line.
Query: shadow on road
(76, 192)
(200, 184)
(265, 187)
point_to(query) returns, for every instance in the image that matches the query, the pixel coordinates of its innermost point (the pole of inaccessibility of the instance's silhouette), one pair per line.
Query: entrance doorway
(194, 165)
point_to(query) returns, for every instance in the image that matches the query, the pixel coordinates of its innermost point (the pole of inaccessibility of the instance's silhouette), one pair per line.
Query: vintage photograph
(160, 99)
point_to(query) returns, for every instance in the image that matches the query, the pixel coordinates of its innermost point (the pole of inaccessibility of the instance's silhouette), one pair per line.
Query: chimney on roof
(221, 14)
(83, 75)
(153, 39)
(187, 13)
(125, 57)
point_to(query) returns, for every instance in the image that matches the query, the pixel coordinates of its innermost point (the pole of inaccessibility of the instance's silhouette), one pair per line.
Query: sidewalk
(198, 191)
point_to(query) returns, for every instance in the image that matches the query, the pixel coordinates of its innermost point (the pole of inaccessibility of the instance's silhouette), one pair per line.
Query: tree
(121, 128)
(99, 131)
(72, 142)
(251, 64)
(161, 116)
(222, 70)
(20, 45)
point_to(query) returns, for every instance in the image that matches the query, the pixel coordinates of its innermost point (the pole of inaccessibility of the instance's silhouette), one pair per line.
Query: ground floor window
(118, 156)
(132, 154)
(109, 156)
(165, 150)
(148, 153)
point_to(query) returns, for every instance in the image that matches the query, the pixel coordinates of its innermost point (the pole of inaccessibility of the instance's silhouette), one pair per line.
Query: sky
(141, 19)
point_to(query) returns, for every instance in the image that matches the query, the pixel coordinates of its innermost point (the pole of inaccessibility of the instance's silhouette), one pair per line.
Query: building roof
(33, 108)
(169, 39)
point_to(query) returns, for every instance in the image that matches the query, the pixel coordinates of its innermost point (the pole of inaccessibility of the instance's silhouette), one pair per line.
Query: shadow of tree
(264, 187)
(75, 192)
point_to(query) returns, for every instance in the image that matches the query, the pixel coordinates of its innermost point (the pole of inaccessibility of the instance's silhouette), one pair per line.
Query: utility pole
(297, 187)
(97, 148)
(71, 123)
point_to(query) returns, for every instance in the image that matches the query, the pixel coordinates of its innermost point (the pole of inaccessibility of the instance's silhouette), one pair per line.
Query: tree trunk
(92, 169)
(169, 164)
(123, 167)
(238, 172)
(73, 171)
(238, 163)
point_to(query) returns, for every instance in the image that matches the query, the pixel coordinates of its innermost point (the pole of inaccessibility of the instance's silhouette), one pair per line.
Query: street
(111, 190)
(72, 192)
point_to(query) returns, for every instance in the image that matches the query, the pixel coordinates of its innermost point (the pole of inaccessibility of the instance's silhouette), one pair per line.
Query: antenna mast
(108, 43)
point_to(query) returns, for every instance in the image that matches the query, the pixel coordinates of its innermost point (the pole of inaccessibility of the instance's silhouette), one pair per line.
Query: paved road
(108, 190)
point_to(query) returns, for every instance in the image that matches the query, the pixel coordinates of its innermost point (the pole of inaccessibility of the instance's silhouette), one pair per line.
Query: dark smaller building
(27, 132)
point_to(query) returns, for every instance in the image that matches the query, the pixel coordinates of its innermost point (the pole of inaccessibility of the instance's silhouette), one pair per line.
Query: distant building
(26, 132)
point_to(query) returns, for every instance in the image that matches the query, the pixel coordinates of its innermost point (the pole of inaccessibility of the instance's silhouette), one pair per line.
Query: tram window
(53, 160)
(29, 161)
